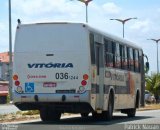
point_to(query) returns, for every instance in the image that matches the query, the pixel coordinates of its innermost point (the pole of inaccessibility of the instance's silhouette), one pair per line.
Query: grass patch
(19, 116)
(8, 98)
(31, 112)
(150, 107)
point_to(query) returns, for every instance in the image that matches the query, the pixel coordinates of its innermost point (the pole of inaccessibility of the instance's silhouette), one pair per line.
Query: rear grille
(66, 91)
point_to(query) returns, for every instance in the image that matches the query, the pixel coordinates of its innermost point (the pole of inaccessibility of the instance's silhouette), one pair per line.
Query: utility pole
(10, 51)
(86, 2)
(123, 21)
(156, 41)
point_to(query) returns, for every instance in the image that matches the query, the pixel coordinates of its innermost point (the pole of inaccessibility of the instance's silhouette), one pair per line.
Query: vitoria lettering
(50, 65)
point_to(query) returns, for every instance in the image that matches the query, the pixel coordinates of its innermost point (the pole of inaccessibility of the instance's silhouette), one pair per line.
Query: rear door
(100, 75)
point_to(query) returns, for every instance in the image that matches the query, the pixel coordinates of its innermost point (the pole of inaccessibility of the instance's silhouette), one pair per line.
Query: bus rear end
(51, 69)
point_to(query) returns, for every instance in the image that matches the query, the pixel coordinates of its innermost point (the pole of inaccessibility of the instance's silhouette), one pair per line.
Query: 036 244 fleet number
(65, 76)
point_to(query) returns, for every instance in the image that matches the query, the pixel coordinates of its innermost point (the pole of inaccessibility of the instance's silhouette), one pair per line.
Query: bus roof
(95, 30)
(115, 38)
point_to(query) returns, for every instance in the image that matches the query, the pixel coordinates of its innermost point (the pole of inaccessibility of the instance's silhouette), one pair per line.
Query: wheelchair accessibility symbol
(29, 87)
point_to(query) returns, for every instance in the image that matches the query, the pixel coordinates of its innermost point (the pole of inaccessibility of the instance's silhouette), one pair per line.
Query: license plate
(49, 84)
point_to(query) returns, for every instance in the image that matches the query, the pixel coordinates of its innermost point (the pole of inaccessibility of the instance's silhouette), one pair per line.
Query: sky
(146, 26)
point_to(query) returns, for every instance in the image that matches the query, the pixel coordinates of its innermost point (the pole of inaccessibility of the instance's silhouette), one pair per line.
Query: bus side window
(128, 59)
(117, 56)
(123, 55)
(134, 65)
(131, 59)
(92, 49)
(121, 48)
(114, 53)
(108, 53)
(125, 58)
(140, 61)
(136, 59)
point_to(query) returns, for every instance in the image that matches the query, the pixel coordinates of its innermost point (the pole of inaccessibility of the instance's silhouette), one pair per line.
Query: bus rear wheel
(131, 112)
(48, 114)
(109, 113)
(84, 114)
(97, 116)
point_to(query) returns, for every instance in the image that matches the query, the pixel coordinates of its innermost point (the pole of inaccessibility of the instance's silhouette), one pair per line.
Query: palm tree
(153, 84)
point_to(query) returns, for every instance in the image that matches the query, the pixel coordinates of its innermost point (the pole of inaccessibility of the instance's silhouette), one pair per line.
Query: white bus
(74, 68)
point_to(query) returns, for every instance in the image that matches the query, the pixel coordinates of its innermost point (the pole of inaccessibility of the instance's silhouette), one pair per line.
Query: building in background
(4, 76)
(4, 66)
(4, 57)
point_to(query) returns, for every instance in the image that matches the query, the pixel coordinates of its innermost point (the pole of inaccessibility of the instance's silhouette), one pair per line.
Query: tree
(153, 84)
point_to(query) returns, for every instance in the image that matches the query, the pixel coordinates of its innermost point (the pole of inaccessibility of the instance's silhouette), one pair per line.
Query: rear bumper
(73, 103)
(69, 107)
(51, 97)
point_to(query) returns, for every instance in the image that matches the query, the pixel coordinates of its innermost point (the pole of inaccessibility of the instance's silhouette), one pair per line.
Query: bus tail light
(85, 76)
(84, 83)
(17, 83)
(15, 77)
(16, 80)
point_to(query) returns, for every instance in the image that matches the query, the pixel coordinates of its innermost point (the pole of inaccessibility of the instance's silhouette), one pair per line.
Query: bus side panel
(125, 85)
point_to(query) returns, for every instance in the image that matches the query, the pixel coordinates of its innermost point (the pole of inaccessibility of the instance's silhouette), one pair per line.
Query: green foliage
(30, 112)
(153, 84)
(8, 98)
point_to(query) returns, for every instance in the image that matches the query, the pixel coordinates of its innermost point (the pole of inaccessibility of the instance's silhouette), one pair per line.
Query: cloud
(111, 8)
(144, 26)
(34, 7)
(3, 36)
(42, 8)
(49, 10)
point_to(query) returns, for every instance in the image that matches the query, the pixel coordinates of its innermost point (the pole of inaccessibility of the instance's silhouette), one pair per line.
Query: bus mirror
(147, 66)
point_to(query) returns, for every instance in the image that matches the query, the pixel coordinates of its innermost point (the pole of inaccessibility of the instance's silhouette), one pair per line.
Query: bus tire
(56, 116)
(131, 112)
(96, 116)
(47, 114)
(109, 112)
(84, 114)
(44, 114)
